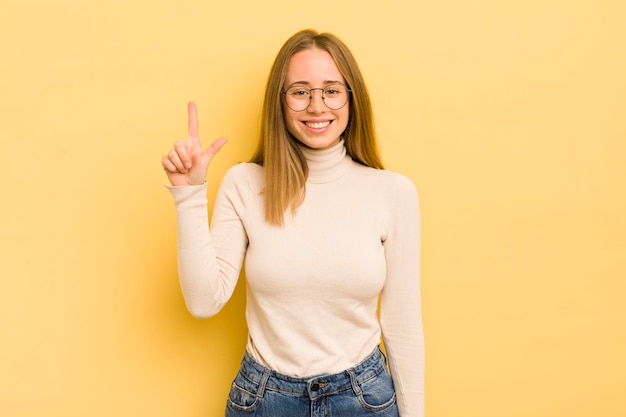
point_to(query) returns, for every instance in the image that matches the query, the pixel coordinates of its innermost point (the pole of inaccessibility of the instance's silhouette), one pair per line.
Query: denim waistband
(318, 385)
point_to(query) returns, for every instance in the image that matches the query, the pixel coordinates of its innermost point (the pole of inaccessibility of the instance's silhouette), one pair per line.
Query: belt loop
(263, 382)
(354, 382)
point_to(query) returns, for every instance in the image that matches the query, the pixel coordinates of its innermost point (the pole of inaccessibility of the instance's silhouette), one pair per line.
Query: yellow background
(509, 116)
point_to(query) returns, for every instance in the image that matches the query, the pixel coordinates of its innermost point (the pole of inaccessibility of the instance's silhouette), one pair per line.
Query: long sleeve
(209, 261)
(400, 310)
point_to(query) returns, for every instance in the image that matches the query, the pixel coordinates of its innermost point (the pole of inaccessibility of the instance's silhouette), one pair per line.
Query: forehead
(312, 66)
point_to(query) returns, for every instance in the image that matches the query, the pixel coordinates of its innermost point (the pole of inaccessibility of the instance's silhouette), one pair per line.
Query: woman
(325, 233)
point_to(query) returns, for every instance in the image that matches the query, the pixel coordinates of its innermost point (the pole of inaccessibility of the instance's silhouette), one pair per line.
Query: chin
(319, 143)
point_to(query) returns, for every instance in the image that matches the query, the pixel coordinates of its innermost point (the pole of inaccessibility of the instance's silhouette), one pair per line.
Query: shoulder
(392, 181)
(244, 171)
(244, 175)
(241, 184)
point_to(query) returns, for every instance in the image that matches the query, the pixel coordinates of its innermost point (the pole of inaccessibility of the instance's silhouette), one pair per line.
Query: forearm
(404, 343)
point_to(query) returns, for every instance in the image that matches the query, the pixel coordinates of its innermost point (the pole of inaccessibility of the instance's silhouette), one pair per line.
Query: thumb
(215, 147)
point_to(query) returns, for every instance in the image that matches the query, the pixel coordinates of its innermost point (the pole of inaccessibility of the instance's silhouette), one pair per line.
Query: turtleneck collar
(326, 165)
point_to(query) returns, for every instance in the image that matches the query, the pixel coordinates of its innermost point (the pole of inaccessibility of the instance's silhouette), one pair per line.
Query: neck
(326, 165)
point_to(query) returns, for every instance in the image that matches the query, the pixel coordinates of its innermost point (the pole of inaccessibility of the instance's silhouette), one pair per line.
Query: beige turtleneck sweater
(313, 284)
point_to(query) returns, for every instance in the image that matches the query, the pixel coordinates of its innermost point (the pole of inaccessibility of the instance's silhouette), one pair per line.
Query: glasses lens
(298, 98)
(335, 96)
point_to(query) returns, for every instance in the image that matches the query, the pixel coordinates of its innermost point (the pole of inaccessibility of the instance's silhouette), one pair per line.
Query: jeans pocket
(377, 394)
(244, 395)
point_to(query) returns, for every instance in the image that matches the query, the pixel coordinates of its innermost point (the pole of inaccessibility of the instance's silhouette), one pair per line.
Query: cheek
(345, 120)
(290, 121)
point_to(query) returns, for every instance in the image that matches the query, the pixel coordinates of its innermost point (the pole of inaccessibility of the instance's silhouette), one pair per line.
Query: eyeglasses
(335, 96)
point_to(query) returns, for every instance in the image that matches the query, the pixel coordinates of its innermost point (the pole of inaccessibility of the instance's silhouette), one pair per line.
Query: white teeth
(317, 125)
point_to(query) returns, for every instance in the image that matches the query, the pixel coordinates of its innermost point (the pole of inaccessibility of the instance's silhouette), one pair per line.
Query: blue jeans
(364, 390)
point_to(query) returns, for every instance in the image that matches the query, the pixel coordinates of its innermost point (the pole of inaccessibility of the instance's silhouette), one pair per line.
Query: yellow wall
(508, 115)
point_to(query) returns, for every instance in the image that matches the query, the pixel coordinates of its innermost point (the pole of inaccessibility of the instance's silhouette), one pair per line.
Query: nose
(317, 101)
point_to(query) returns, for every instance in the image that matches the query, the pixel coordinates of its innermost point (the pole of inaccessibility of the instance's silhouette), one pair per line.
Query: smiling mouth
(317, 125)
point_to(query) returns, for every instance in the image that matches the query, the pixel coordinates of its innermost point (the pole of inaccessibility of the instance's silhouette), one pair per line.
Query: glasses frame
(348, 90)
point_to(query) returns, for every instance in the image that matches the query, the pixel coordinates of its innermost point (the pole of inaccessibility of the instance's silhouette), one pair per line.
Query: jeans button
(315, 387)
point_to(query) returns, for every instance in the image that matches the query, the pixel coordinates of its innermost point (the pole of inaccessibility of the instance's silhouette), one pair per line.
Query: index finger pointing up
(193, 119)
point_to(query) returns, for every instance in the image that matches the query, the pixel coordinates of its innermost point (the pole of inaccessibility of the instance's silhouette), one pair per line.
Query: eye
(298, 92)
(333, 91)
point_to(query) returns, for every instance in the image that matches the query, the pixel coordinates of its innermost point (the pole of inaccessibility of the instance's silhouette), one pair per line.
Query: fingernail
(188, 165)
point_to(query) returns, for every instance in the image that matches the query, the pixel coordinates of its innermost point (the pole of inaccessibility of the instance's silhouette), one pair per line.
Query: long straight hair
(285, 166)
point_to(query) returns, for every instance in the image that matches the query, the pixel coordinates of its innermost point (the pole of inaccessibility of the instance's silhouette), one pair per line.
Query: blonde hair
(285, 167)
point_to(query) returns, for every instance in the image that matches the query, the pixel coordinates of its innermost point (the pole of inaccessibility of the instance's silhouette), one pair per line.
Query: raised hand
(188, 163)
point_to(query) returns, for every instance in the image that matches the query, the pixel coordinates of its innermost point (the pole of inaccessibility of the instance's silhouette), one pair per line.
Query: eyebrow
(327, 82)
